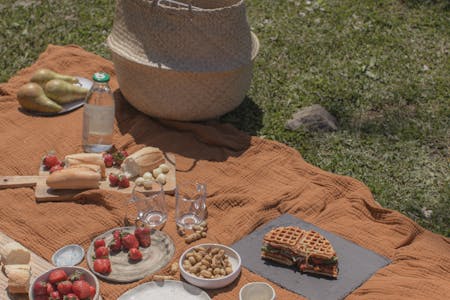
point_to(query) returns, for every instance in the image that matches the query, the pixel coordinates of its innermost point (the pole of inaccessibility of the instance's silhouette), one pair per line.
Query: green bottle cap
(101, 77)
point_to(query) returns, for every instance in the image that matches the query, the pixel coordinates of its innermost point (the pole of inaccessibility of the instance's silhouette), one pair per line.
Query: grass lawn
(381, 67)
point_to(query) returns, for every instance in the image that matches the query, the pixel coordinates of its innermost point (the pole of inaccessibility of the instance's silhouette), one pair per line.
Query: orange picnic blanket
(250, 181)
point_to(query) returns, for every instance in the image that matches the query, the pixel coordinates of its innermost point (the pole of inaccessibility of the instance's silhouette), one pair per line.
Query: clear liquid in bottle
(98, 116)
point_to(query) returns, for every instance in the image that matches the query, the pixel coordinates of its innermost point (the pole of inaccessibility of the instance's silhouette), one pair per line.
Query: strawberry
(123, 181)
(117, 234)
(92, 291)
(54, 296)
(77, 275)
(115, 245)
(57, 276)
(129, 241)
(64, 287)
(119, 156)
(134, 254)
(81, 289)
(50, 288)
(71, 296)
(108, 159)
(113, 179)
(56, 168)
(99, 243)
(102, 265)
(143, 236)
(101, 252)
(50, 160)
(40, 288)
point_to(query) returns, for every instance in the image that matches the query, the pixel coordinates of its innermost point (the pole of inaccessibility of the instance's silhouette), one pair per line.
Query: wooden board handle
(19, 181)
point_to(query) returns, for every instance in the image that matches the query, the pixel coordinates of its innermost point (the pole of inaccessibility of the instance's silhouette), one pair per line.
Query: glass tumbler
(149, 204)
(190, 207)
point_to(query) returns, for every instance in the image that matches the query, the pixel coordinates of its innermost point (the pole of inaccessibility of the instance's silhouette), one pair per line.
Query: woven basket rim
(201, 10)
(112, 46)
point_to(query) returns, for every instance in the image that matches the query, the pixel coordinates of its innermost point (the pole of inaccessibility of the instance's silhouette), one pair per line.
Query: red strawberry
(92, 291)
(129, 241)
(113, 179)
(50, 288)
(102, 265)
(135, 254)
(40, 288)
(108, 159)
(64, 287)
(81, 289)
(123, 181)
(99, 243)
(117, 234)
(143, 236)
(57, 276)
(50, 160)
(77, 275)
(71, 296)
(115, 245)
(119, 156)
(56, 168)
(101, 252)
(54, 296)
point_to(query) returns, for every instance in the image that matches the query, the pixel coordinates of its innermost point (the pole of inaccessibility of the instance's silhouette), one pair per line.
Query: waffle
(313, 243)
(288, 236)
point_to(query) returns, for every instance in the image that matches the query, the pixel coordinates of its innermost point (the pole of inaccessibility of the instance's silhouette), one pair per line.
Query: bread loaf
(75, 178)
(144, 160)
(94, 168)
(15, 253)
(18, 279)
(8, 269)
(86, 158)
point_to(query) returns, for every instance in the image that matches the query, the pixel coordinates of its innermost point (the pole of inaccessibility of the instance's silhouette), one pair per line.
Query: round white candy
(161, 178)
(148, 176)
(164, 168)
(139, 181)
(156, 172)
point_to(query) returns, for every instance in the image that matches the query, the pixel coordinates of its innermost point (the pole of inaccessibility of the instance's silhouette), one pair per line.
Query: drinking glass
(149, 204)
(190, 207)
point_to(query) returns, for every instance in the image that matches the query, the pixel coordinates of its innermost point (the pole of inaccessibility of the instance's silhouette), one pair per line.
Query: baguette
(144, 160)
(86, 158)
(15, 253)
(78, 178)
(18, 280)
(94, 168)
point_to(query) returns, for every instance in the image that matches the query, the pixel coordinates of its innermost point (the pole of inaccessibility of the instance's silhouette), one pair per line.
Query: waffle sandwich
(307, 249)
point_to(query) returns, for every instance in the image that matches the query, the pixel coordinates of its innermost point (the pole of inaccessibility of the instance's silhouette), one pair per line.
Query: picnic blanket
(250, 182)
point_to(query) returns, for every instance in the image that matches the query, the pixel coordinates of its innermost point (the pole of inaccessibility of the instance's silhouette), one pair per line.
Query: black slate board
(356, 264)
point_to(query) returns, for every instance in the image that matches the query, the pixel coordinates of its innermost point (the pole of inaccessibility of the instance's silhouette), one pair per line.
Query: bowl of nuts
(210, 266)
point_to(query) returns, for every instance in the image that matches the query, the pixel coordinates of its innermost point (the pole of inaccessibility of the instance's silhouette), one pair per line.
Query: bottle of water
(98, 117)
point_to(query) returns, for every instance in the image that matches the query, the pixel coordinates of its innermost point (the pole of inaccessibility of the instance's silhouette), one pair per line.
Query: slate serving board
(356, 264)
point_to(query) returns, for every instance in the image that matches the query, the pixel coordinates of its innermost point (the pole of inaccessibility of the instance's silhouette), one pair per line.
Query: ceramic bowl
(213, 283)
(89, 277)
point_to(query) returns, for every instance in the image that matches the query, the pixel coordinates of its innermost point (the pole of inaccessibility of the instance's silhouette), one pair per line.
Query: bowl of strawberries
(72, 283)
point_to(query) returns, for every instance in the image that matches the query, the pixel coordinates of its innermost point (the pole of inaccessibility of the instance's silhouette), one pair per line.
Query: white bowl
(90, 278)
(257, 290)
(213, 283)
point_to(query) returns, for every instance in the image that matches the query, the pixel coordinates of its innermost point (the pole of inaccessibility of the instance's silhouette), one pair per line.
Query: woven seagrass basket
(187, 61)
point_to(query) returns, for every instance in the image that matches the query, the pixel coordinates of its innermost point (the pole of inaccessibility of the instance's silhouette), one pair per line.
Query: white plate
(68, 107)
(154, 258)
(167, 290)
(68, 256)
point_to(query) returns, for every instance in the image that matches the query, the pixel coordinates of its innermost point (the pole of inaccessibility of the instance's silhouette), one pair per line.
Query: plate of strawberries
(127, 254)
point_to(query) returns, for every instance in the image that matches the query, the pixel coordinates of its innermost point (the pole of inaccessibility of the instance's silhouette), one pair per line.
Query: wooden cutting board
(38, 266)
(44, 193)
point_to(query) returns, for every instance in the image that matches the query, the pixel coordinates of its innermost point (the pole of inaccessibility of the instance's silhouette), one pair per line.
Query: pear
(41, 76)
(62, 91)
(32, 97)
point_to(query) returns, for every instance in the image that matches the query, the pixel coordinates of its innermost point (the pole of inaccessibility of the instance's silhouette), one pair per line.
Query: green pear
(41, 76)
(31, 96)
(62, 91)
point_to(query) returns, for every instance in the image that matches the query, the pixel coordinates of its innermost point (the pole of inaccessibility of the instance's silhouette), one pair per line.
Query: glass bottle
(98, 116)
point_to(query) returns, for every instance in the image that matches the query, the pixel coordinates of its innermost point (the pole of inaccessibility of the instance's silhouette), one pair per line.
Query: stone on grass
(313, 117)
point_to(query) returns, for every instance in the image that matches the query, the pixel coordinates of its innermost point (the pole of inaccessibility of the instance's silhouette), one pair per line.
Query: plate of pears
(49, 93)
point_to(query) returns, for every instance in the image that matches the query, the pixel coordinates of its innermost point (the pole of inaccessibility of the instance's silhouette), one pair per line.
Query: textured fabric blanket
(250, 181)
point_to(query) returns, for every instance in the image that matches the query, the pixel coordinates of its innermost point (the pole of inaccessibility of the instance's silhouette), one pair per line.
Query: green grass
(381, 67)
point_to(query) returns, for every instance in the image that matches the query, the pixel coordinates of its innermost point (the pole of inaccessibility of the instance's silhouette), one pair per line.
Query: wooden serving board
(44, 193)
(38, 266)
